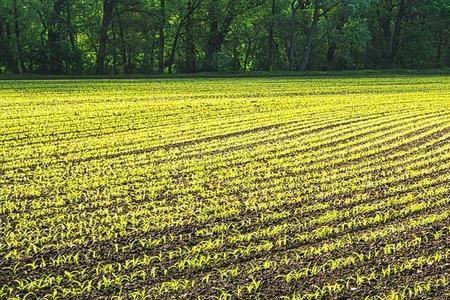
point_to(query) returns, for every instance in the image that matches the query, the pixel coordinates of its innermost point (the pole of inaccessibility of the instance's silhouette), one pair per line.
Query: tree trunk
(236, 60)
(439, 51)
(189, 46)
(271, 48)
(331, 53)
(171, 58)
(108, 7)
(210, 63)
(386, 12)
(76, 55)
(5, 45)
(162, 41)
(54, 39)
(309, 40)
(217, 35)
(19, 56)
(149, 59)
(182, 24)
(247, 54)
(43, 53)
(293, 33)
(397, 31)
(114, 50)
(123, 49)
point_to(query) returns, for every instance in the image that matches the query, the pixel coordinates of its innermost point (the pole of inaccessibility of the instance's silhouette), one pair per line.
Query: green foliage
(144, 37)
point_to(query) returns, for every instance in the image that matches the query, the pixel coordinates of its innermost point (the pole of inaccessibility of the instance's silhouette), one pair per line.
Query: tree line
(187, 36)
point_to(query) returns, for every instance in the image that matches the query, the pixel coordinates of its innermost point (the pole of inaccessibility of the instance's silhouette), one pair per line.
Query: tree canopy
(187, 36)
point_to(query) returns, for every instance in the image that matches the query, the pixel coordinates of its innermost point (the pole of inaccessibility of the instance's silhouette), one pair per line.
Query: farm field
(254, 188)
